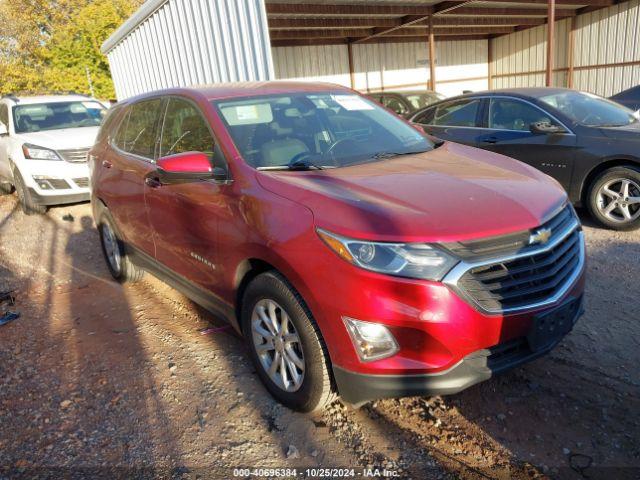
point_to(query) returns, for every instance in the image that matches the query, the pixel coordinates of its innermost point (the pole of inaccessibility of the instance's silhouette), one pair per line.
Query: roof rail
(10, 96)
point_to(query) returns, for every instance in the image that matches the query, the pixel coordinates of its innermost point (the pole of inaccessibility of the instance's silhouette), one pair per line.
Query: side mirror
(3, 130)
(184, 167)
(545, 128)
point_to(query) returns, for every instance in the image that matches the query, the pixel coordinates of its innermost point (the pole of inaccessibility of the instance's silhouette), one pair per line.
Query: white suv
(44, 142)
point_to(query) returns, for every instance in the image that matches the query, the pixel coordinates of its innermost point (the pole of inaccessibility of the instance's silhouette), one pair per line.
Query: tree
(49, 45)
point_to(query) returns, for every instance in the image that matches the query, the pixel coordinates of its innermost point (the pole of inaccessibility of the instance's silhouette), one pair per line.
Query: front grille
(81, 182)
(525, 280)
(519, 241)
(74, 155)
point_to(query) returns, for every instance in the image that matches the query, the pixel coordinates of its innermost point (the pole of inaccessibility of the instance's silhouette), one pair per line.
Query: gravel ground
(107, 381)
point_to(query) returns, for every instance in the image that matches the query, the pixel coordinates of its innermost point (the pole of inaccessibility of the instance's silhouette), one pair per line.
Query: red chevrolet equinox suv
(355, 254)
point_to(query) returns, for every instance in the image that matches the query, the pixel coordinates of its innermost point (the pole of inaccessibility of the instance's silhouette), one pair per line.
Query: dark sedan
(589, 144)
(629, 98)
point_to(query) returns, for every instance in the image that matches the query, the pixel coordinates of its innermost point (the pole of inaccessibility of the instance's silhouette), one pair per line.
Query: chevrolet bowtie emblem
(541, 236)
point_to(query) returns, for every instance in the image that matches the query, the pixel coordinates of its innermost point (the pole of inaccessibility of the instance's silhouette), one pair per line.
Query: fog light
(373, 341)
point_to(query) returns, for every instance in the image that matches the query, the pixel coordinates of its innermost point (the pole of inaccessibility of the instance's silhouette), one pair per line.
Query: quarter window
(185, 130)
(507, 114)
(461, 113)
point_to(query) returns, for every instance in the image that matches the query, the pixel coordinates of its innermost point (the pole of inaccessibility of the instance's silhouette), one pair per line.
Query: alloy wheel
(277, 345)
(618, 200)
(111, 249)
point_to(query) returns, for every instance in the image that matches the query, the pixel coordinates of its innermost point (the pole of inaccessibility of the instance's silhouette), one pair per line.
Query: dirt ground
(103, 381)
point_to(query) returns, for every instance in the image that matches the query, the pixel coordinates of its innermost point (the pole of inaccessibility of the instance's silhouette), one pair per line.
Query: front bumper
(56, 182)
(358, 388)
(59, 198)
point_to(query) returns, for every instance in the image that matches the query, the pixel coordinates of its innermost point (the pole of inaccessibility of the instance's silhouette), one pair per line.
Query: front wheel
(614, 198)
(6, 188)
(285, 344)
(29, 206)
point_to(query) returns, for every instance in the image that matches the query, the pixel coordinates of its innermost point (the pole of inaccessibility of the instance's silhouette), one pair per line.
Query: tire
(608, 203)
(29, 206)
(314, 390)
(118, 263)
(6, 188)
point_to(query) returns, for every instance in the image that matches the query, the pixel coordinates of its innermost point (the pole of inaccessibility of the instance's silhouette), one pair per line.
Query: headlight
(34, 152)
(413, 260)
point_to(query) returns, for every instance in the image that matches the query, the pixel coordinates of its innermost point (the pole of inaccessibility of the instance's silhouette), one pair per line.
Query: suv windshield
(37, 117)
(320, 129)
(590, 110)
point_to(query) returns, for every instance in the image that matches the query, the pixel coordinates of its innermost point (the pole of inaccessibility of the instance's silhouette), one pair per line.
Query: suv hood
(63, 139)
(452, 193)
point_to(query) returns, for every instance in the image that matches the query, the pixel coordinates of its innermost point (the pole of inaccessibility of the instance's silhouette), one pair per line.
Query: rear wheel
(285, 344)
(29, 206)
(119, 264)
(614, 198)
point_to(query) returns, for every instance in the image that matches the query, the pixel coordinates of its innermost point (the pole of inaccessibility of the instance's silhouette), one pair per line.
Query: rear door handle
(107, 164)
(153, 182)
(489, 140)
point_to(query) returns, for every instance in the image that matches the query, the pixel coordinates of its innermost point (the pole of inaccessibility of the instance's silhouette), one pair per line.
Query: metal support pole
(551, 20)
(570, 54)
(352, 74)
(432, 56)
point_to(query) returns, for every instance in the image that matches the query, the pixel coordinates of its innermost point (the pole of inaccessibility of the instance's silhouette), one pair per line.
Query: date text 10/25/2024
(315, 472)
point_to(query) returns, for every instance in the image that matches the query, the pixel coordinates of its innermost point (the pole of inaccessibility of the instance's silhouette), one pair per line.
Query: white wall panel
(602, 37)
(460, 65)
(322, 63)
(605, 37)
(185, 42)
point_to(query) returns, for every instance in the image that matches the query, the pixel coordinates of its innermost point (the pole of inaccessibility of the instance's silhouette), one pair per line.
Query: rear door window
(459, 113)
(137, 134)
(185, 130)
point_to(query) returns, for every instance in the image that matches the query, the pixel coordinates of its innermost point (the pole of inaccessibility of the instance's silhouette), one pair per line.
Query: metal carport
(378, 45)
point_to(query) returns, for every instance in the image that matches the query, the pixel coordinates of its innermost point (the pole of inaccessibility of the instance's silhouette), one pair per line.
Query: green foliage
(50, 45)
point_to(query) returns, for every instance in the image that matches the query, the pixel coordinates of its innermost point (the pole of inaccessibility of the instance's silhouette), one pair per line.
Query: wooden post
(352, 75)
(570, 55)
(432, 56)
(490, 62)
(551, 20)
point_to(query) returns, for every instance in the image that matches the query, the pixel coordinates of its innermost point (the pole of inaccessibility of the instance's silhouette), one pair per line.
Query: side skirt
(197, 294)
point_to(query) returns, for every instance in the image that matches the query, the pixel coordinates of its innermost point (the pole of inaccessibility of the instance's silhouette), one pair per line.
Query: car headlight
(413, 260)
(35, 152)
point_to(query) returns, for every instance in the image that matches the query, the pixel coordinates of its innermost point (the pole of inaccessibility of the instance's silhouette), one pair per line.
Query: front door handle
(153, 182)
(489, 140)
(107, 164)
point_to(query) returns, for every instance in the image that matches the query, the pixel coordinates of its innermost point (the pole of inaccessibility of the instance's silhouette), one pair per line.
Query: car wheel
(614, 198)
(6, 189)
(119, 264)
(29, 206)
(285, 344)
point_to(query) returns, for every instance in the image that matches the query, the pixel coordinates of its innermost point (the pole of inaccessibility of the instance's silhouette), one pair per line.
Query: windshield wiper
(303, 164)
(381, 155)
